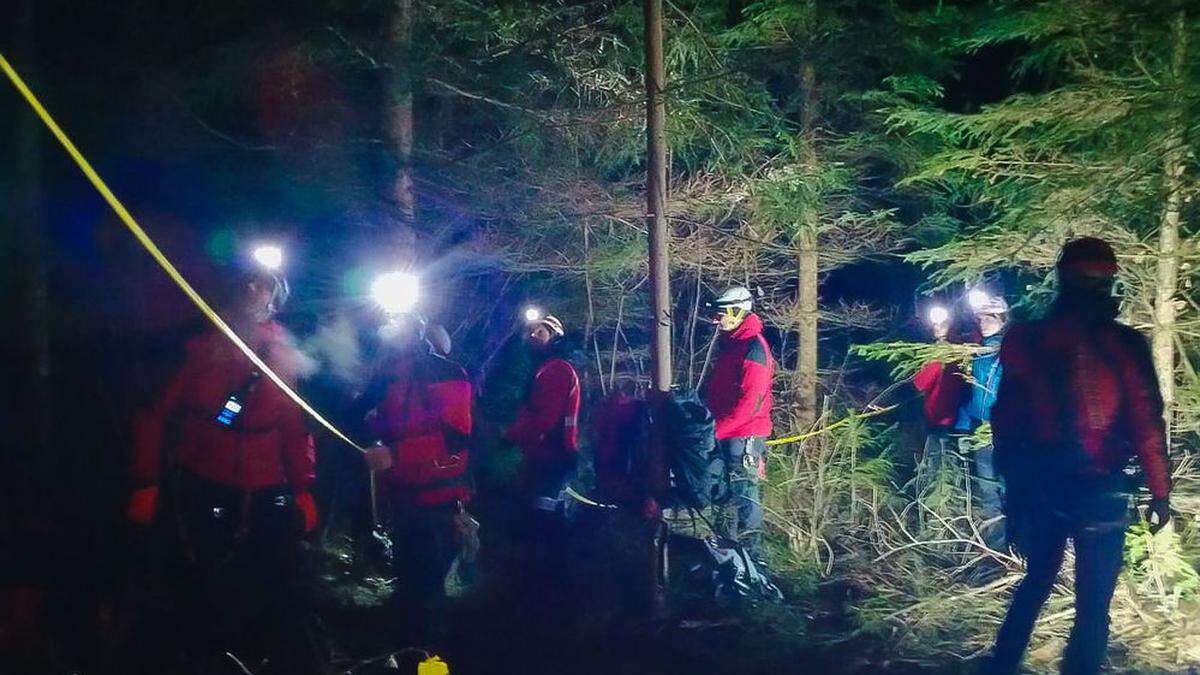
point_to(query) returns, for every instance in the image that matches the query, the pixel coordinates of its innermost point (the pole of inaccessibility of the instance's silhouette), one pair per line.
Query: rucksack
(620, 439)
(699, 475)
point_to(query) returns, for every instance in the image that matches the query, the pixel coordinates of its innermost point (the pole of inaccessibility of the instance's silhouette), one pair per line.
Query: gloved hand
(379, 458)
(1159, 514)
(143, 505)
(308, 508)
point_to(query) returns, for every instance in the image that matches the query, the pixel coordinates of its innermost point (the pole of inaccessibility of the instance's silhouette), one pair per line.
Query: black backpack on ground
(699, 475)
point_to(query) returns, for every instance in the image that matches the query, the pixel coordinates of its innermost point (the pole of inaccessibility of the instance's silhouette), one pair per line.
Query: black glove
(1159, 513)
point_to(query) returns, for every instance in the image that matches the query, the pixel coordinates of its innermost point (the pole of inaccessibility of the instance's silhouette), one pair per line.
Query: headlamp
(938, 315)
(269, 256)
(396, 292)
(977, 298)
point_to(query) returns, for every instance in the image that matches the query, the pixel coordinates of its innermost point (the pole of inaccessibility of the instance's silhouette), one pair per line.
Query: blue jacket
(985, 371)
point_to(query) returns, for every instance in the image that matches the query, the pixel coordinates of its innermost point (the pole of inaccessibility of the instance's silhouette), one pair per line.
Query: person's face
(941, 330)
(990, 324)
(258, 301)
(1102, 285)
(728, 321)
(539, 337)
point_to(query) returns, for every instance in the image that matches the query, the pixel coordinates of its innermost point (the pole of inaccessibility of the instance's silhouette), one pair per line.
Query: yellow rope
(840, 423)
(570, 492)
(157, 254)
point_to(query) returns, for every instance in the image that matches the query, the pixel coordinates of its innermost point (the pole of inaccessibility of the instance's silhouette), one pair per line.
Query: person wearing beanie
(1079, 399)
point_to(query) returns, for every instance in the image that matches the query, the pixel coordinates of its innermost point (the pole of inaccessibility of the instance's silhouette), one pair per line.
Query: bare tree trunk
(589, 328)
(1167, 279)
(656, 197)
(400, 122)
(616, 341)
(805, 380)
(691, 338)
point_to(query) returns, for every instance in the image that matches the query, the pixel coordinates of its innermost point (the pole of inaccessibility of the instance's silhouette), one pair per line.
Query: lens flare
(938, 314)
(269, 256)
(396, 292)
(977, 297)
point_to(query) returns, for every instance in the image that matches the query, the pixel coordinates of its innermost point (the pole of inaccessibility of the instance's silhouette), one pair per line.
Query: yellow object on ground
(434, 665)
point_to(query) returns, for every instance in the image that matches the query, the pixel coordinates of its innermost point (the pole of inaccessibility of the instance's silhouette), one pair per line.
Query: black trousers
(246, 581)
(1092, 514)
(424, 548)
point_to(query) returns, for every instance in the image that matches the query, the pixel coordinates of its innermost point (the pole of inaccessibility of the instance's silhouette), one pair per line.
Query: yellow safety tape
(570, 492)
(158, 256)
(840, 423)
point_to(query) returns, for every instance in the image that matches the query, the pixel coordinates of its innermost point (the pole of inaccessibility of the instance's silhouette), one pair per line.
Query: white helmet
(738, 297)
(992, 305)
(552, 324)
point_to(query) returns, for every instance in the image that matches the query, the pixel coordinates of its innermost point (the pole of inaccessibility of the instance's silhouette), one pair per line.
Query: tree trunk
(1167, 279)
(400, 123)
(656, 197)
(805, 378)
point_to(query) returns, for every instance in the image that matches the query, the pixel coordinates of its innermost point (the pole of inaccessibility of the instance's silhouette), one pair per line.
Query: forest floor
(487, 634)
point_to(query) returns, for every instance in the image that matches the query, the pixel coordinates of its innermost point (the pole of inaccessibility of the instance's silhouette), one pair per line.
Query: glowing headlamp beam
(532, 314)
(977, 297)
(269, 256)
(396, 292)
(938, 315)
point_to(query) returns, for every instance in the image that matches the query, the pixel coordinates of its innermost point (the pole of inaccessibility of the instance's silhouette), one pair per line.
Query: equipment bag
(715, 570)
(699, 473)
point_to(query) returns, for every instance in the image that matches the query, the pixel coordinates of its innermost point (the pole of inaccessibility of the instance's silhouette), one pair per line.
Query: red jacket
(739, 391)
(1082, 395)
(268, 446)
(942, 386)
(425, 418)
(547, 426)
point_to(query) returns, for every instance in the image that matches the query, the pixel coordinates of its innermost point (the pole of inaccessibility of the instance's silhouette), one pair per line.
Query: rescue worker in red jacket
(546, 430)
(423, 422)
(1078, 400)
(236, 457)
(943, 388)
(739, 396)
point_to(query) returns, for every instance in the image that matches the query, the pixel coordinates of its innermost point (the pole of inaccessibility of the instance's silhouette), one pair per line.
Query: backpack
(699, 474)
(620, 438)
